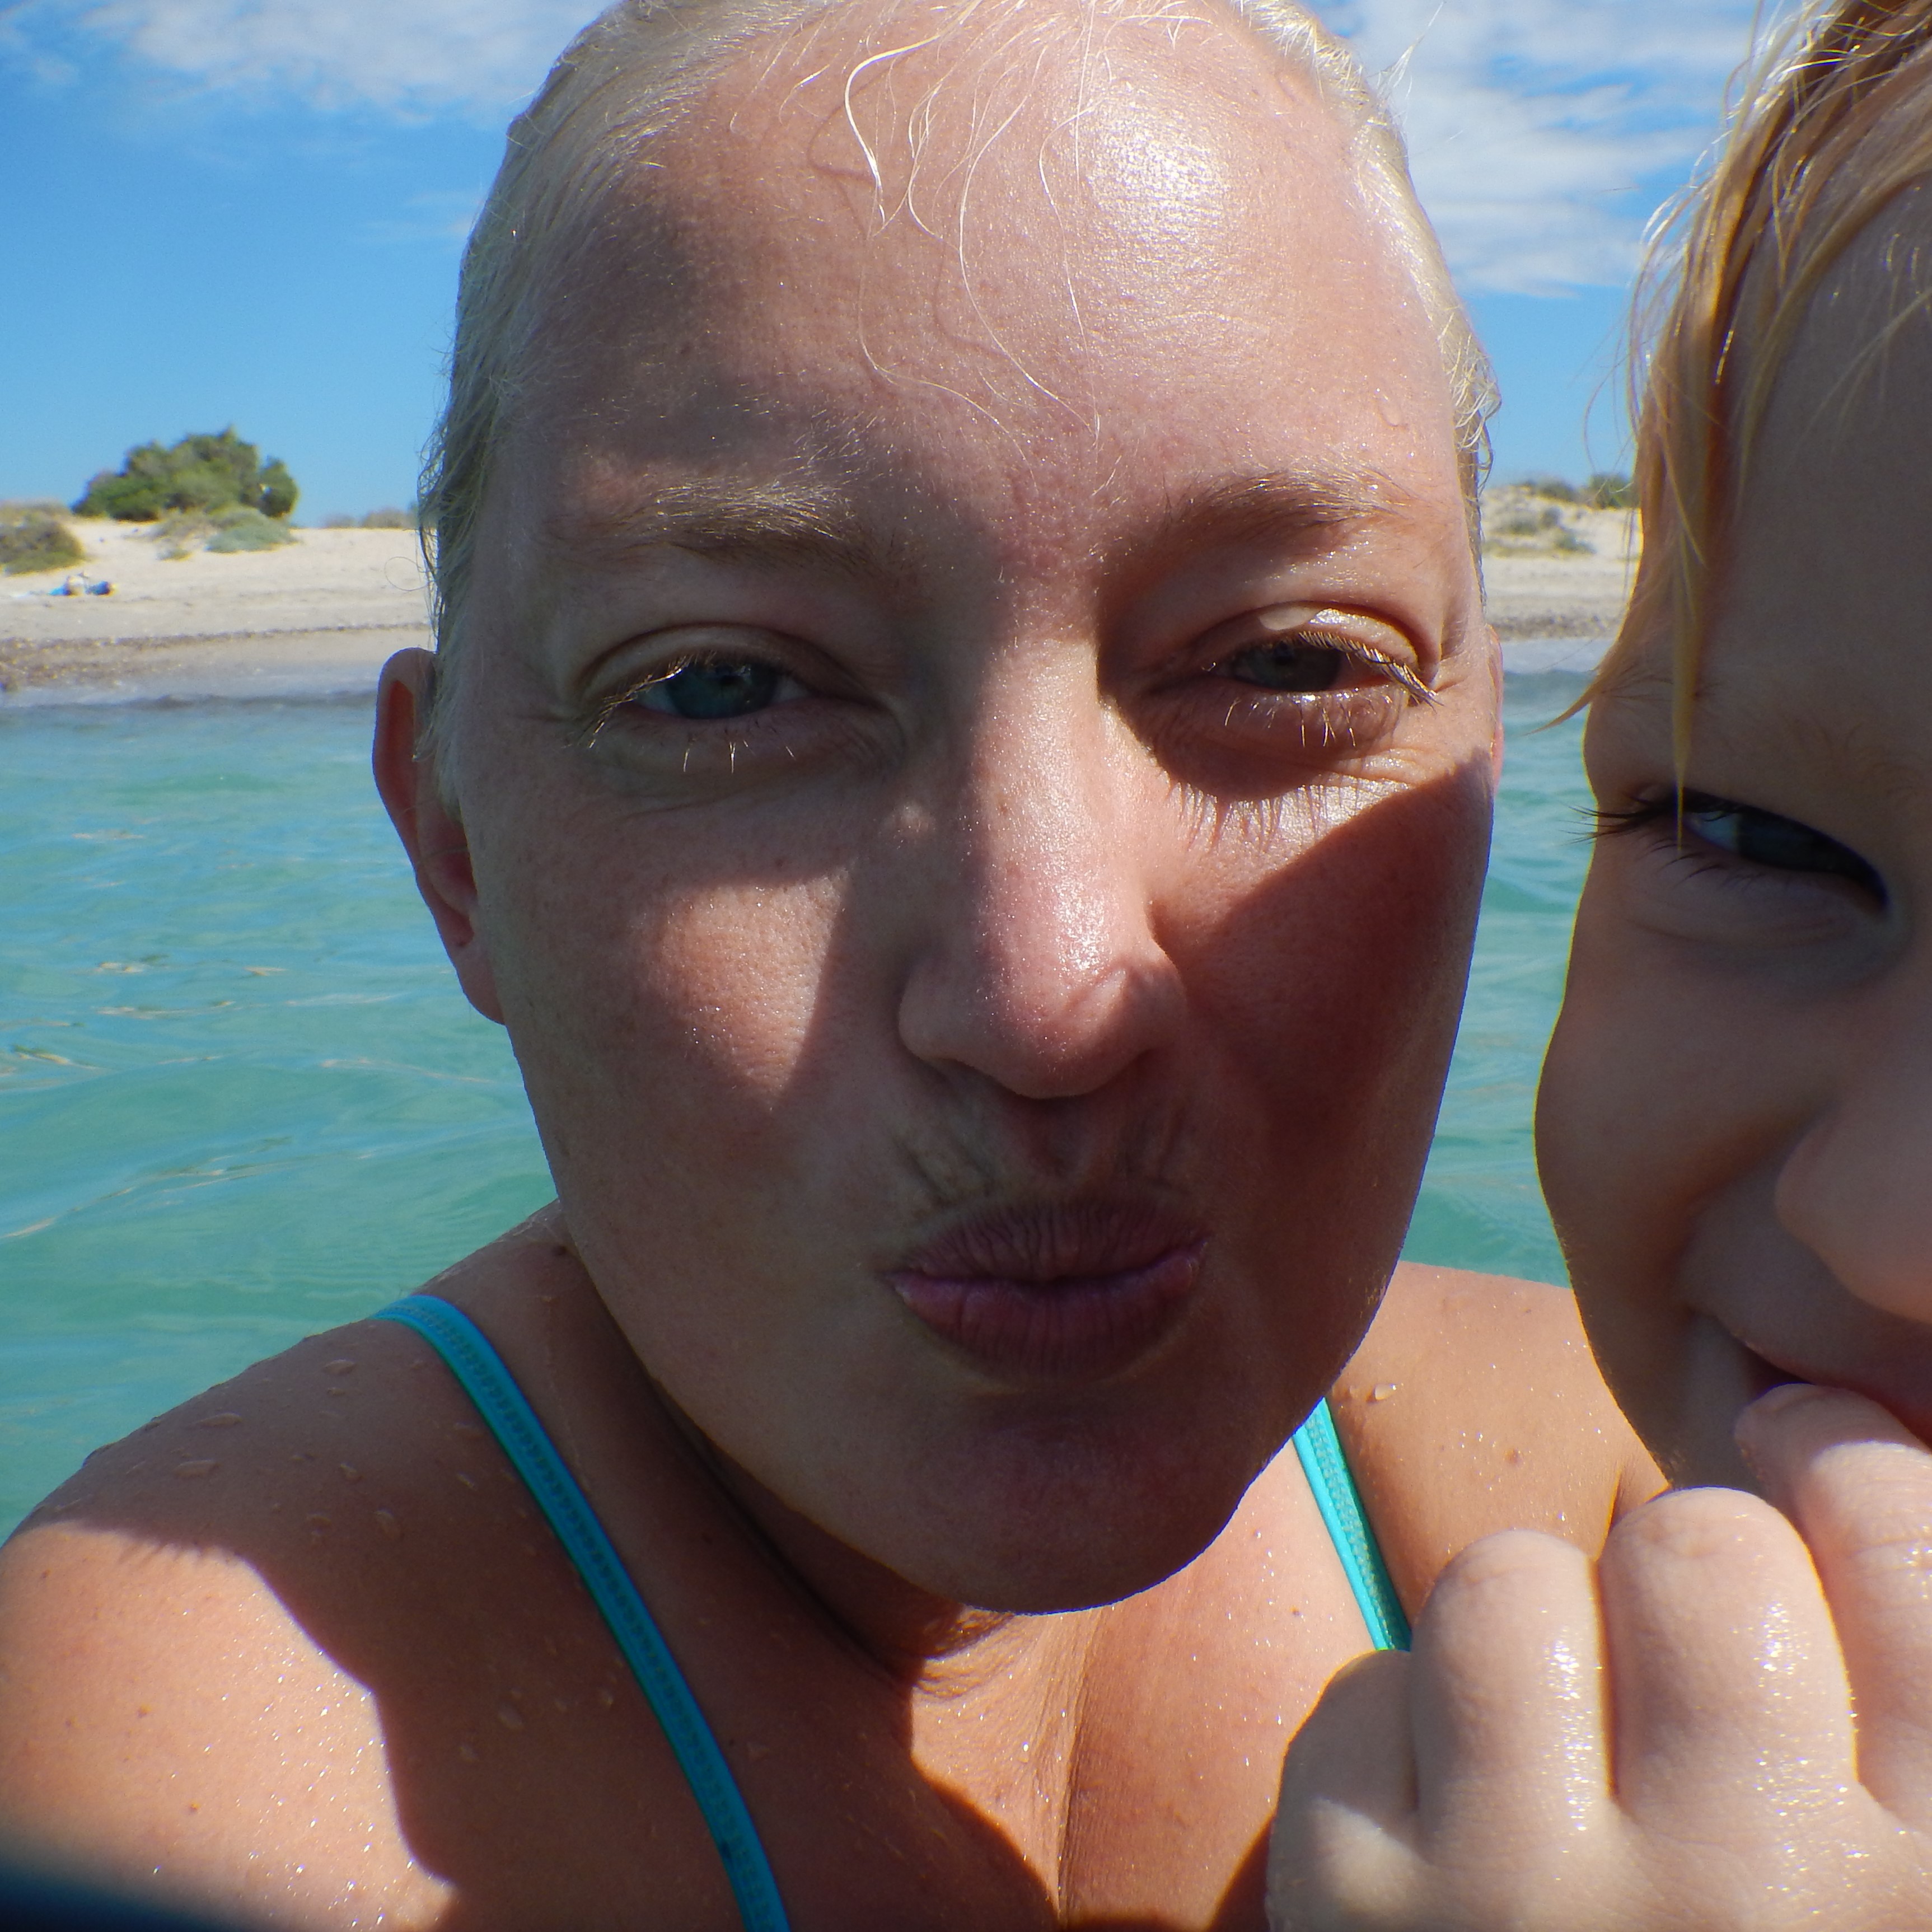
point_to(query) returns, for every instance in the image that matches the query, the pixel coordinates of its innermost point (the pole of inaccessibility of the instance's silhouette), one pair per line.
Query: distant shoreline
(319, 617)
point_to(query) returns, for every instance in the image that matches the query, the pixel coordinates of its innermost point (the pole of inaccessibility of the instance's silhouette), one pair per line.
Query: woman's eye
(1286, 664)
(718, 687)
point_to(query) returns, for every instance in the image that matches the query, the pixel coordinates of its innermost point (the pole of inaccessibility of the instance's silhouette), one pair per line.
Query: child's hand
(1668, 1742)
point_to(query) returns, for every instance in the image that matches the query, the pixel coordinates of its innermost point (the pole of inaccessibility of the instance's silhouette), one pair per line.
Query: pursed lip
(1057, 1291)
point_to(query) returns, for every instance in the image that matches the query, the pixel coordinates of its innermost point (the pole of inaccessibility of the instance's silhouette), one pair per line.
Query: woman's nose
(1037, 964)
(1857, 1188)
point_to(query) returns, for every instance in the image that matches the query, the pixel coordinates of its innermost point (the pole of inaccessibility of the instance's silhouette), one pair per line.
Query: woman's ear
(405, 763)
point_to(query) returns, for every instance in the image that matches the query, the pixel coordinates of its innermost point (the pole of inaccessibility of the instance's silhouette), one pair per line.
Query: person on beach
(961, 750)
(1730, 1725)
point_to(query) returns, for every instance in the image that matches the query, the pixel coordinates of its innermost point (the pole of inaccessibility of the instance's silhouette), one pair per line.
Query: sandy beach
(319, 616)
(314, 617)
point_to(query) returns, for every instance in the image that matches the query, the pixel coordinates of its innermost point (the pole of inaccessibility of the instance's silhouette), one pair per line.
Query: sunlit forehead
(1008, 192)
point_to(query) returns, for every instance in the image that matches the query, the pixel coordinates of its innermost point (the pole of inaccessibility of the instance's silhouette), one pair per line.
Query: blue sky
(250, 211)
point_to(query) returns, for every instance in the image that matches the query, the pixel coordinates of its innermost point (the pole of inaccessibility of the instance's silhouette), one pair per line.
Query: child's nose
(1857, 1187)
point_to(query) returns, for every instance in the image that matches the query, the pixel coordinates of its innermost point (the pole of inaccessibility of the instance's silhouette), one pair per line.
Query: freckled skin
(1016, 895)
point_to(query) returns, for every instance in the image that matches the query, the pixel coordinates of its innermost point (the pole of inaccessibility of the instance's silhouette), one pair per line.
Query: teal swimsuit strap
(1349, 1529)
(489, 1384)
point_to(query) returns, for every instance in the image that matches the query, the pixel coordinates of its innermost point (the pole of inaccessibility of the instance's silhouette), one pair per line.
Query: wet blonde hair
(1834, 123)
(623, 81)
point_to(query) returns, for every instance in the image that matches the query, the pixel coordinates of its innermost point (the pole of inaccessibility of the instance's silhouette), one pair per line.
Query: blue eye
(1286, 664)
(1780, 845)
(715, 688)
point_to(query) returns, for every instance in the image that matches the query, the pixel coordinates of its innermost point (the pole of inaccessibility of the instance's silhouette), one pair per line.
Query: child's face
(1734, 1128)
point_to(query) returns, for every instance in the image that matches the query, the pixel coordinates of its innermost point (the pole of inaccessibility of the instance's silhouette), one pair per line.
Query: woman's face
(975, 750)
(1735, 1123)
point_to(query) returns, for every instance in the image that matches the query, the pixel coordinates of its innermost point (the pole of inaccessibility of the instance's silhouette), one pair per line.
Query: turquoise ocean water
(241, 1100)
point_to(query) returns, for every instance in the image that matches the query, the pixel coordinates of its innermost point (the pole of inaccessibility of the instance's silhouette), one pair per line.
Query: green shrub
(1554, 489)
(1527, 523)
(204, 473)
(1610, 489)
(389, 519)
(32, 537)
(248, 530)
(338, 521)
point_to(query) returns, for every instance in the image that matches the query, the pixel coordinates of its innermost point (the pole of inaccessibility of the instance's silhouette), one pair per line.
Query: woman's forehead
(983, 276)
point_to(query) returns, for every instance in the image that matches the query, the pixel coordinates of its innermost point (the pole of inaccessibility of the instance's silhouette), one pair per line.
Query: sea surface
(241, 1099)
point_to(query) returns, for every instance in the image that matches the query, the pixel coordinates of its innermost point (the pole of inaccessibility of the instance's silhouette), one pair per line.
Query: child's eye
(1756, 837)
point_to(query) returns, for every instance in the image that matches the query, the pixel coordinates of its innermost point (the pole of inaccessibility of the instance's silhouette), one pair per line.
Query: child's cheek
(1640, 1123)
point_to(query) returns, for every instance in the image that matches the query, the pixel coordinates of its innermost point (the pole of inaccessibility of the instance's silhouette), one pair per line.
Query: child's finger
(1508, 1701)
(1732, 1705)
(1859, 1486)
(1342, 1847)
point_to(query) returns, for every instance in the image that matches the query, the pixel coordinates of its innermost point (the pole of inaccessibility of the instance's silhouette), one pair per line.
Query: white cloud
(407, 56)
(1542, 131)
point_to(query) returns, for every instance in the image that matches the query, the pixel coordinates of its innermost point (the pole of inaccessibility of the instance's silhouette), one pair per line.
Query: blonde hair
(623, 81)
(1835, 123)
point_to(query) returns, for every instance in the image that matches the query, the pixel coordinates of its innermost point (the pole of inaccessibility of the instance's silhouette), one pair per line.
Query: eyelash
(604, 710)
(1676, 808)
(1348, 716)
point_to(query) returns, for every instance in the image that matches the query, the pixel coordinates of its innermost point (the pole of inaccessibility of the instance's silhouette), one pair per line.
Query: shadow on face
(971, 756)
(514, 1746)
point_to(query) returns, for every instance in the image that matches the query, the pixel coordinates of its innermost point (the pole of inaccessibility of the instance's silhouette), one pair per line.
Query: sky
(251, 211)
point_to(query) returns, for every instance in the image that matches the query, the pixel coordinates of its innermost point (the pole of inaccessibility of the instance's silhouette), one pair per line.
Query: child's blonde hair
(624, 80)
(1837, 122)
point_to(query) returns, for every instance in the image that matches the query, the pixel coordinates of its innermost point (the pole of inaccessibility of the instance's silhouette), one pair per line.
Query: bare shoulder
(182, 1698)
(1473, 1405)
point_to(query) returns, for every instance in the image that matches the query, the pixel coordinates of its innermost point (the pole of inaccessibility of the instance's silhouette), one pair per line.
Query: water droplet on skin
(350, 1473)
(341, 1366)
(201, 1465)
(386, 1521)
(317, 1523)
(467, 1428)
(469, 1753)
(227, 1419)
(335, 1392)
(509, 1717)
(1382, 1391)
(606, 1696)
(463, 1476)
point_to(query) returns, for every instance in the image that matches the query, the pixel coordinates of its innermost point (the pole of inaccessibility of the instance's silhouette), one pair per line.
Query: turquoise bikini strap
(489, 1384)
(1340, 1503)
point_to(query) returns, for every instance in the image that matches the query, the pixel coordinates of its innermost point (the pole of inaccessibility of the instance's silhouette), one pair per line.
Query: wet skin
(968, 784)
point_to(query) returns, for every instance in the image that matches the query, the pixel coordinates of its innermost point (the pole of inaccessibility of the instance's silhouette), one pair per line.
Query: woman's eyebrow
(788, 521)
(1331, 503)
